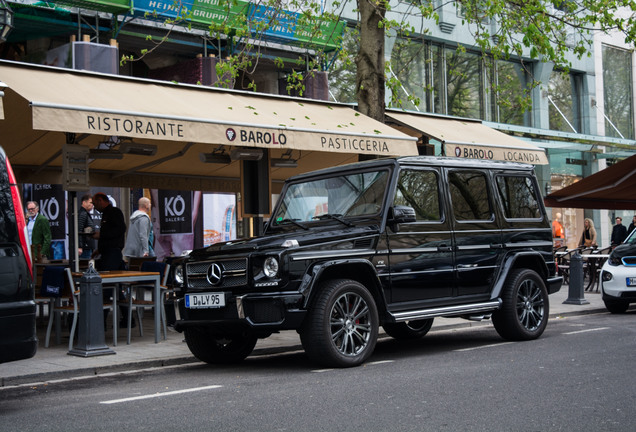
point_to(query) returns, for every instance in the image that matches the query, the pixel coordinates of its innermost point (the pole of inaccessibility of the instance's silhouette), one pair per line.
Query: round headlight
(178, 274)
(270, 267)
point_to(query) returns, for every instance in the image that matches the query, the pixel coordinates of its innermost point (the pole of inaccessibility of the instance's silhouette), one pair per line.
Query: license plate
(631, 281)
(205, 300)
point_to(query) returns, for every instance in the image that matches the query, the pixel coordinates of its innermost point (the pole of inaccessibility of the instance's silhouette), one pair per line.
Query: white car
(618, 276)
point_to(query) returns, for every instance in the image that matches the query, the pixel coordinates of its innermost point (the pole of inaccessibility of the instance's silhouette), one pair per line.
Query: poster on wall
(219, 218)
(174, 214)
(52, 202)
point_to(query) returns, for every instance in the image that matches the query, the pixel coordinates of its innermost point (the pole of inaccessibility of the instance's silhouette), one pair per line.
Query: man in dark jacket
(632, 225)
(111, 236)
(619, 232)
(85, 226)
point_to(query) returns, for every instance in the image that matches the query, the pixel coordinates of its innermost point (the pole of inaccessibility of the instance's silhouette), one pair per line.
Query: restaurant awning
(611, 188)
(469, 138)
(42, 105)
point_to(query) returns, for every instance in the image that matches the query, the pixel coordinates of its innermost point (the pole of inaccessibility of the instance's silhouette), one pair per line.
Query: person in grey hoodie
(139, 231)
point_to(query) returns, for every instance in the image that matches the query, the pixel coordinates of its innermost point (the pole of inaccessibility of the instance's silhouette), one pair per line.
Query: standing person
(111, 236)
(85, 225)
(39, 231)
(619, 232)
(588, 238)
(632, 225)
(557, 231)
(138, 239)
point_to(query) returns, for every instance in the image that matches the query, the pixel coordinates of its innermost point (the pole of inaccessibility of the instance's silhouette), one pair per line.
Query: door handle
(496, 246)
(444, 248)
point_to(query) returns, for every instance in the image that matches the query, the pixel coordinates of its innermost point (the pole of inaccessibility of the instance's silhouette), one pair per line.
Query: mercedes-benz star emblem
(215, 274)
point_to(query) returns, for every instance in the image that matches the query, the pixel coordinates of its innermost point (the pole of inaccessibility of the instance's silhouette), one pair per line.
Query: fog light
(607, 276)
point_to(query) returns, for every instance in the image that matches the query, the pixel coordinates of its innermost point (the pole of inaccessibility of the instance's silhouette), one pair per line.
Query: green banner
(112, 6)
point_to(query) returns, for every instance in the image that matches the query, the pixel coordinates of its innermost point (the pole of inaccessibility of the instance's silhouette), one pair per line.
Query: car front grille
(233, 273)
(629, 260)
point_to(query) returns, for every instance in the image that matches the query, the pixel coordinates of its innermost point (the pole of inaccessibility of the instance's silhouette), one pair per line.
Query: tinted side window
(419, 189)
(469, 195)
(518, 197)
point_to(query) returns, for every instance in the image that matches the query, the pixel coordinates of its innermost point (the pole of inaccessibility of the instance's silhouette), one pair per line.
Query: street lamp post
(6, 20)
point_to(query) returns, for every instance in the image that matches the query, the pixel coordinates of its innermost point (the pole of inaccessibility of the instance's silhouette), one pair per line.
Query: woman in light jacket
(588, 238)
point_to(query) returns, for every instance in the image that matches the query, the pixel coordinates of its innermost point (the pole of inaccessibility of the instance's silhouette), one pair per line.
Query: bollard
(575, 289)
(91, 337)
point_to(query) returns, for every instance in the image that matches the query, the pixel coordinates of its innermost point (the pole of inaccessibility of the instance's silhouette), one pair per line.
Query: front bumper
(262, 313)
(616, 287)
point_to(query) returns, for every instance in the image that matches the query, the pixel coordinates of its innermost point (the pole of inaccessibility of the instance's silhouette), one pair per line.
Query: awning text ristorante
(117, 126)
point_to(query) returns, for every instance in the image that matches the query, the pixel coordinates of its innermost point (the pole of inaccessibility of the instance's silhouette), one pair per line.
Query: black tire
(341, 329)
(408, 330)
(616, 306)
(525, 308)
(211, 348)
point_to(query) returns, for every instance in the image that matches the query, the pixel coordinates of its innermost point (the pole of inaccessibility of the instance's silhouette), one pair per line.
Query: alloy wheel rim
(350, 322)
(530, 305)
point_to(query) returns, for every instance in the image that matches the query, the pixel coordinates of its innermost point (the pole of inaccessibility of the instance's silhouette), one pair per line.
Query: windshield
(359, 194)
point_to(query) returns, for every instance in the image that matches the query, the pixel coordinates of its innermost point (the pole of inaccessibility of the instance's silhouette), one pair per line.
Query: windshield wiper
(292, 221)
(334, 216)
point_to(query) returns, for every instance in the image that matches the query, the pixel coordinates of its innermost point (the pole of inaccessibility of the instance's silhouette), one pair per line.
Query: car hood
(306, 239)
(626, 249)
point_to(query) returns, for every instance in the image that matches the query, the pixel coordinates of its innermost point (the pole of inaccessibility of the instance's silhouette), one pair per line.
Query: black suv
(17, 307)
(392, 243)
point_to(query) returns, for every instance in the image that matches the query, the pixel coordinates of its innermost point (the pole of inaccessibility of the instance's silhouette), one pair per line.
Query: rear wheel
(341, 329)
(524, 312)
(408, 330)
(212, 348)
(616, 306)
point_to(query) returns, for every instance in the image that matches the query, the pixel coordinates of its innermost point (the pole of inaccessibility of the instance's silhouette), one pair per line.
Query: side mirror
(402, 214)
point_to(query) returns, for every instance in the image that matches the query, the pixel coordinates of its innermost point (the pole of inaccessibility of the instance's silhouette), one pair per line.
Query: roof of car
(421, 161)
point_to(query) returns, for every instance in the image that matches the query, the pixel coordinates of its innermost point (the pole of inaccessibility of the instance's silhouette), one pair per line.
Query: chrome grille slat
(234, 273)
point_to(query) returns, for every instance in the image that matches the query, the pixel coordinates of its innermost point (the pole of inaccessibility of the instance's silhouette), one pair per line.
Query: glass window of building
(563, 99)
(464, 84)
(410, 64)
(446, 80)
(511, 87)
(342, 71)
(618, 92)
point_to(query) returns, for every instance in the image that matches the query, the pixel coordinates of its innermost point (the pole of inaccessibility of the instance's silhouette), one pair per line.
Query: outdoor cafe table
(123, 277)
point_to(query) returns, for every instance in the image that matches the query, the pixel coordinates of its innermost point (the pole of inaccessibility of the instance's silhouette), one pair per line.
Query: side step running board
(446, 311)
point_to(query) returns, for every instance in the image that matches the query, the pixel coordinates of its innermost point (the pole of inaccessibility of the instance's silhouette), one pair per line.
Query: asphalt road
(577, 377)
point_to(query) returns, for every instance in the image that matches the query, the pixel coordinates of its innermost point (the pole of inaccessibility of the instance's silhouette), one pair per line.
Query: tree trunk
(370, 59)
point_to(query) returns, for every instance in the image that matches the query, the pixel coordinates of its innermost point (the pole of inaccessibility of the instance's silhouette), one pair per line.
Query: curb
(44, 378)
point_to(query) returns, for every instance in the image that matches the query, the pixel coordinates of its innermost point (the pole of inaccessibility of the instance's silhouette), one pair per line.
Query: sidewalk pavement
(53, 363)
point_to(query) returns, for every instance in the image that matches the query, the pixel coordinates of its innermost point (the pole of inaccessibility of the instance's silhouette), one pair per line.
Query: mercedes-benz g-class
(390, 242)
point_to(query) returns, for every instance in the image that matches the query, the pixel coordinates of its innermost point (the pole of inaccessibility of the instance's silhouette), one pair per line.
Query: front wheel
(212, 348)
(408, 330)
(616, 306)
(524, 312)
(341, 329)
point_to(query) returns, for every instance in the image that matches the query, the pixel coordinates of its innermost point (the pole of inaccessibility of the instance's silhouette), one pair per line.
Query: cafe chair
(595, 266)
(71, 290)
(560, 249)
(139, 302)
(563, 265)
